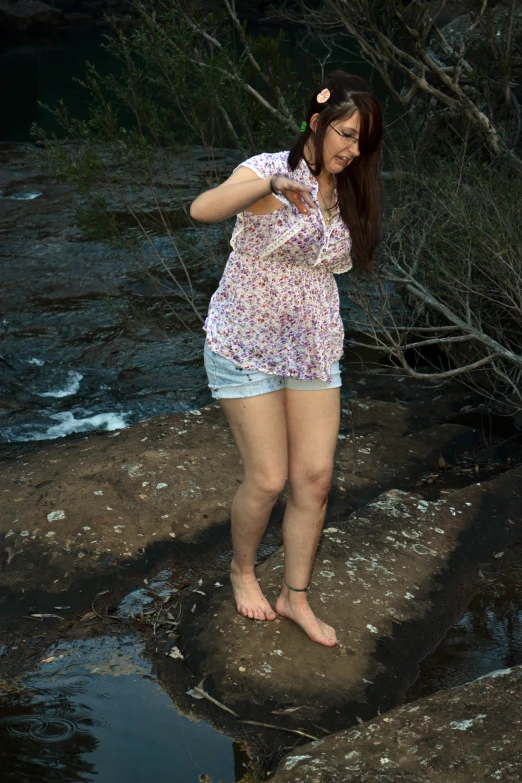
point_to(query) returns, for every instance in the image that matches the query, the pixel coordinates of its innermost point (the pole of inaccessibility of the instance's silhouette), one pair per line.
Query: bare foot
(300, 611)
(250, 600)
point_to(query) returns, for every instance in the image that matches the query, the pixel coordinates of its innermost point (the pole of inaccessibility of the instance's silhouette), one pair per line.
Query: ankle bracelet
(297, 589)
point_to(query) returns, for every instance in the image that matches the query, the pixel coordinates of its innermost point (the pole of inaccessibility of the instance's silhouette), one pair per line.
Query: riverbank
(96, 519)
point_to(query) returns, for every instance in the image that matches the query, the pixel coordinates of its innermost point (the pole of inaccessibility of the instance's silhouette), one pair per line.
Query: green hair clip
(304, 126)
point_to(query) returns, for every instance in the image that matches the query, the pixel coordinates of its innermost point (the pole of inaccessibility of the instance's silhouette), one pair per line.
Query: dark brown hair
(359, 185)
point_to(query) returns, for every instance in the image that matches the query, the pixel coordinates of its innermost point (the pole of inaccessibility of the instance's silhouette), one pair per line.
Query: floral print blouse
(277, 305)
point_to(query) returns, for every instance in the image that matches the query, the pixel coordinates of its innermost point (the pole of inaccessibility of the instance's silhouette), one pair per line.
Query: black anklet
(297, 589)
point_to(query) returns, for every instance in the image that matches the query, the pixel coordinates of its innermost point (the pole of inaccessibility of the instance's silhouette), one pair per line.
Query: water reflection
(92, 712)
(487, 637)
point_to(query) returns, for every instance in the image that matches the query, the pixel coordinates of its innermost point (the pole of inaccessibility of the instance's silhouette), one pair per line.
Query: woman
(274, 332)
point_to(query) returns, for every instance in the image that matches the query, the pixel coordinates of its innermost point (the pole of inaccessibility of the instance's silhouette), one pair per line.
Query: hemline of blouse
(221, 350)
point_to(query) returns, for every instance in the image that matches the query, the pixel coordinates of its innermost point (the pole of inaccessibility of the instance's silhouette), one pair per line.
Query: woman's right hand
(294, 191)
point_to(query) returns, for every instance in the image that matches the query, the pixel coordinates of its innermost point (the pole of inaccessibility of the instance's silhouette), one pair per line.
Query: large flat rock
(74, 506)
(102, 499)
(382, 448)
(469, 734)
(386, 577)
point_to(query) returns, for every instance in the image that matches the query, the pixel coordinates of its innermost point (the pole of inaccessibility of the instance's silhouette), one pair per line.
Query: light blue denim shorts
(226, 381)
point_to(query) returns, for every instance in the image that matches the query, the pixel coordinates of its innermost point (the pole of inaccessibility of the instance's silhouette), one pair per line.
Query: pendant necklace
(329, 211)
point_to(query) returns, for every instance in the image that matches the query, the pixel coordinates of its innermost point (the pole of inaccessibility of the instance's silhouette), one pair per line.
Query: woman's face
(341, 143)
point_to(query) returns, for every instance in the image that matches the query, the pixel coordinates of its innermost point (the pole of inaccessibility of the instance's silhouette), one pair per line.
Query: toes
(256, 612)
(332, 638)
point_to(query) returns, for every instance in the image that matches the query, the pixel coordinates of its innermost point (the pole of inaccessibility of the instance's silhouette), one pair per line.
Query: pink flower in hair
(323, 95)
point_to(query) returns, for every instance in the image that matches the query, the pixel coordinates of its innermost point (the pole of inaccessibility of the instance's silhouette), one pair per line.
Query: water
(87, 342)
(42, 69)
(487, 637)
(92, 711)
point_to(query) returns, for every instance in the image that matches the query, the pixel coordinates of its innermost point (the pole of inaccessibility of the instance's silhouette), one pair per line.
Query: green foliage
(181, 77)
(176, 75)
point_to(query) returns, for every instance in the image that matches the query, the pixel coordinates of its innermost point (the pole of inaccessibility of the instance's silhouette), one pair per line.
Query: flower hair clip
(323, 95)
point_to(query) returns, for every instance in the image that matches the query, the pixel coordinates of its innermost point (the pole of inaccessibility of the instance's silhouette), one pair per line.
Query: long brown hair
(359, 185)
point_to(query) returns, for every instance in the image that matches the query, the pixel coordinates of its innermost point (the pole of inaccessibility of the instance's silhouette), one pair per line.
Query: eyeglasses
(345, 136)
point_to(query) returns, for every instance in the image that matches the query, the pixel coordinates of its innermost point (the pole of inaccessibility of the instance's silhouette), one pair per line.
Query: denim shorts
(226, 381)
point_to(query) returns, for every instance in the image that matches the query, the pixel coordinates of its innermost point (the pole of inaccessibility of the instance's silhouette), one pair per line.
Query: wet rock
(141, 598)
(114, 494)
(379, 572)
(470, 733)
(78, 18)
(173, 477)
(24, 14)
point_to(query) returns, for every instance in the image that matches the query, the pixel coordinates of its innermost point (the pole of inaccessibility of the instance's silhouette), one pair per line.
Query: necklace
(329, 211)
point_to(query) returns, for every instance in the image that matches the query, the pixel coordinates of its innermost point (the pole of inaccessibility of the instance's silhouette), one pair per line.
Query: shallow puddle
(92, 711)
(486, 638)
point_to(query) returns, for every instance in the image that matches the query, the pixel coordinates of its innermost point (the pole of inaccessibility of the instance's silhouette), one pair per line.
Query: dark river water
(93, 711)
(42, 69)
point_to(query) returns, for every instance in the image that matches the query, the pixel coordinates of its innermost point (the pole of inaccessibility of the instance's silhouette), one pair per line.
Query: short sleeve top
(277, 305)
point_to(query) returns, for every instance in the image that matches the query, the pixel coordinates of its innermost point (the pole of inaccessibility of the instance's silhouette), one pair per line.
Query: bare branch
(284, 114)
(231, 8)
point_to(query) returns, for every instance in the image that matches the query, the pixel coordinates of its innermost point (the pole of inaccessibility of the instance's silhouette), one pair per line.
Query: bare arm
(243, 190)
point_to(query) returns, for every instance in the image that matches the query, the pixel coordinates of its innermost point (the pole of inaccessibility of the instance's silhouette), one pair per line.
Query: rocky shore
(462, 735)
(396, 568)
(37, 15)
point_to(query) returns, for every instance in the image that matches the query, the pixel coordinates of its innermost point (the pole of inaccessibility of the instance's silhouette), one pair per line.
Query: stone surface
(174, 477)
(469, 734)
(378, 571)
(105, 497)
(24, 14)
(378, 449)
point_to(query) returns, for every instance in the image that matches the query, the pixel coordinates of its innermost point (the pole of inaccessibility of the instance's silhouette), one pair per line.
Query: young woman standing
(274, 332)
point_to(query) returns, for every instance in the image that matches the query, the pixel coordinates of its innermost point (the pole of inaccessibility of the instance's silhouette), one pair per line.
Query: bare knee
(311, 486)
(266, 485)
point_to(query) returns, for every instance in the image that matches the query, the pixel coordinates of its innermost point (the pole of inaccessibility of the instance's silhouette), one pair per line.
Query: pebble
(54, 515)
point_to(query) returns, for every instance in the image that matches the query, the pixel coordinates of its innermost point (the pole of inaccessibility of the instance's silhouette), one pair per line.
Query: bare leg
(259, 428)
(313, 426)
